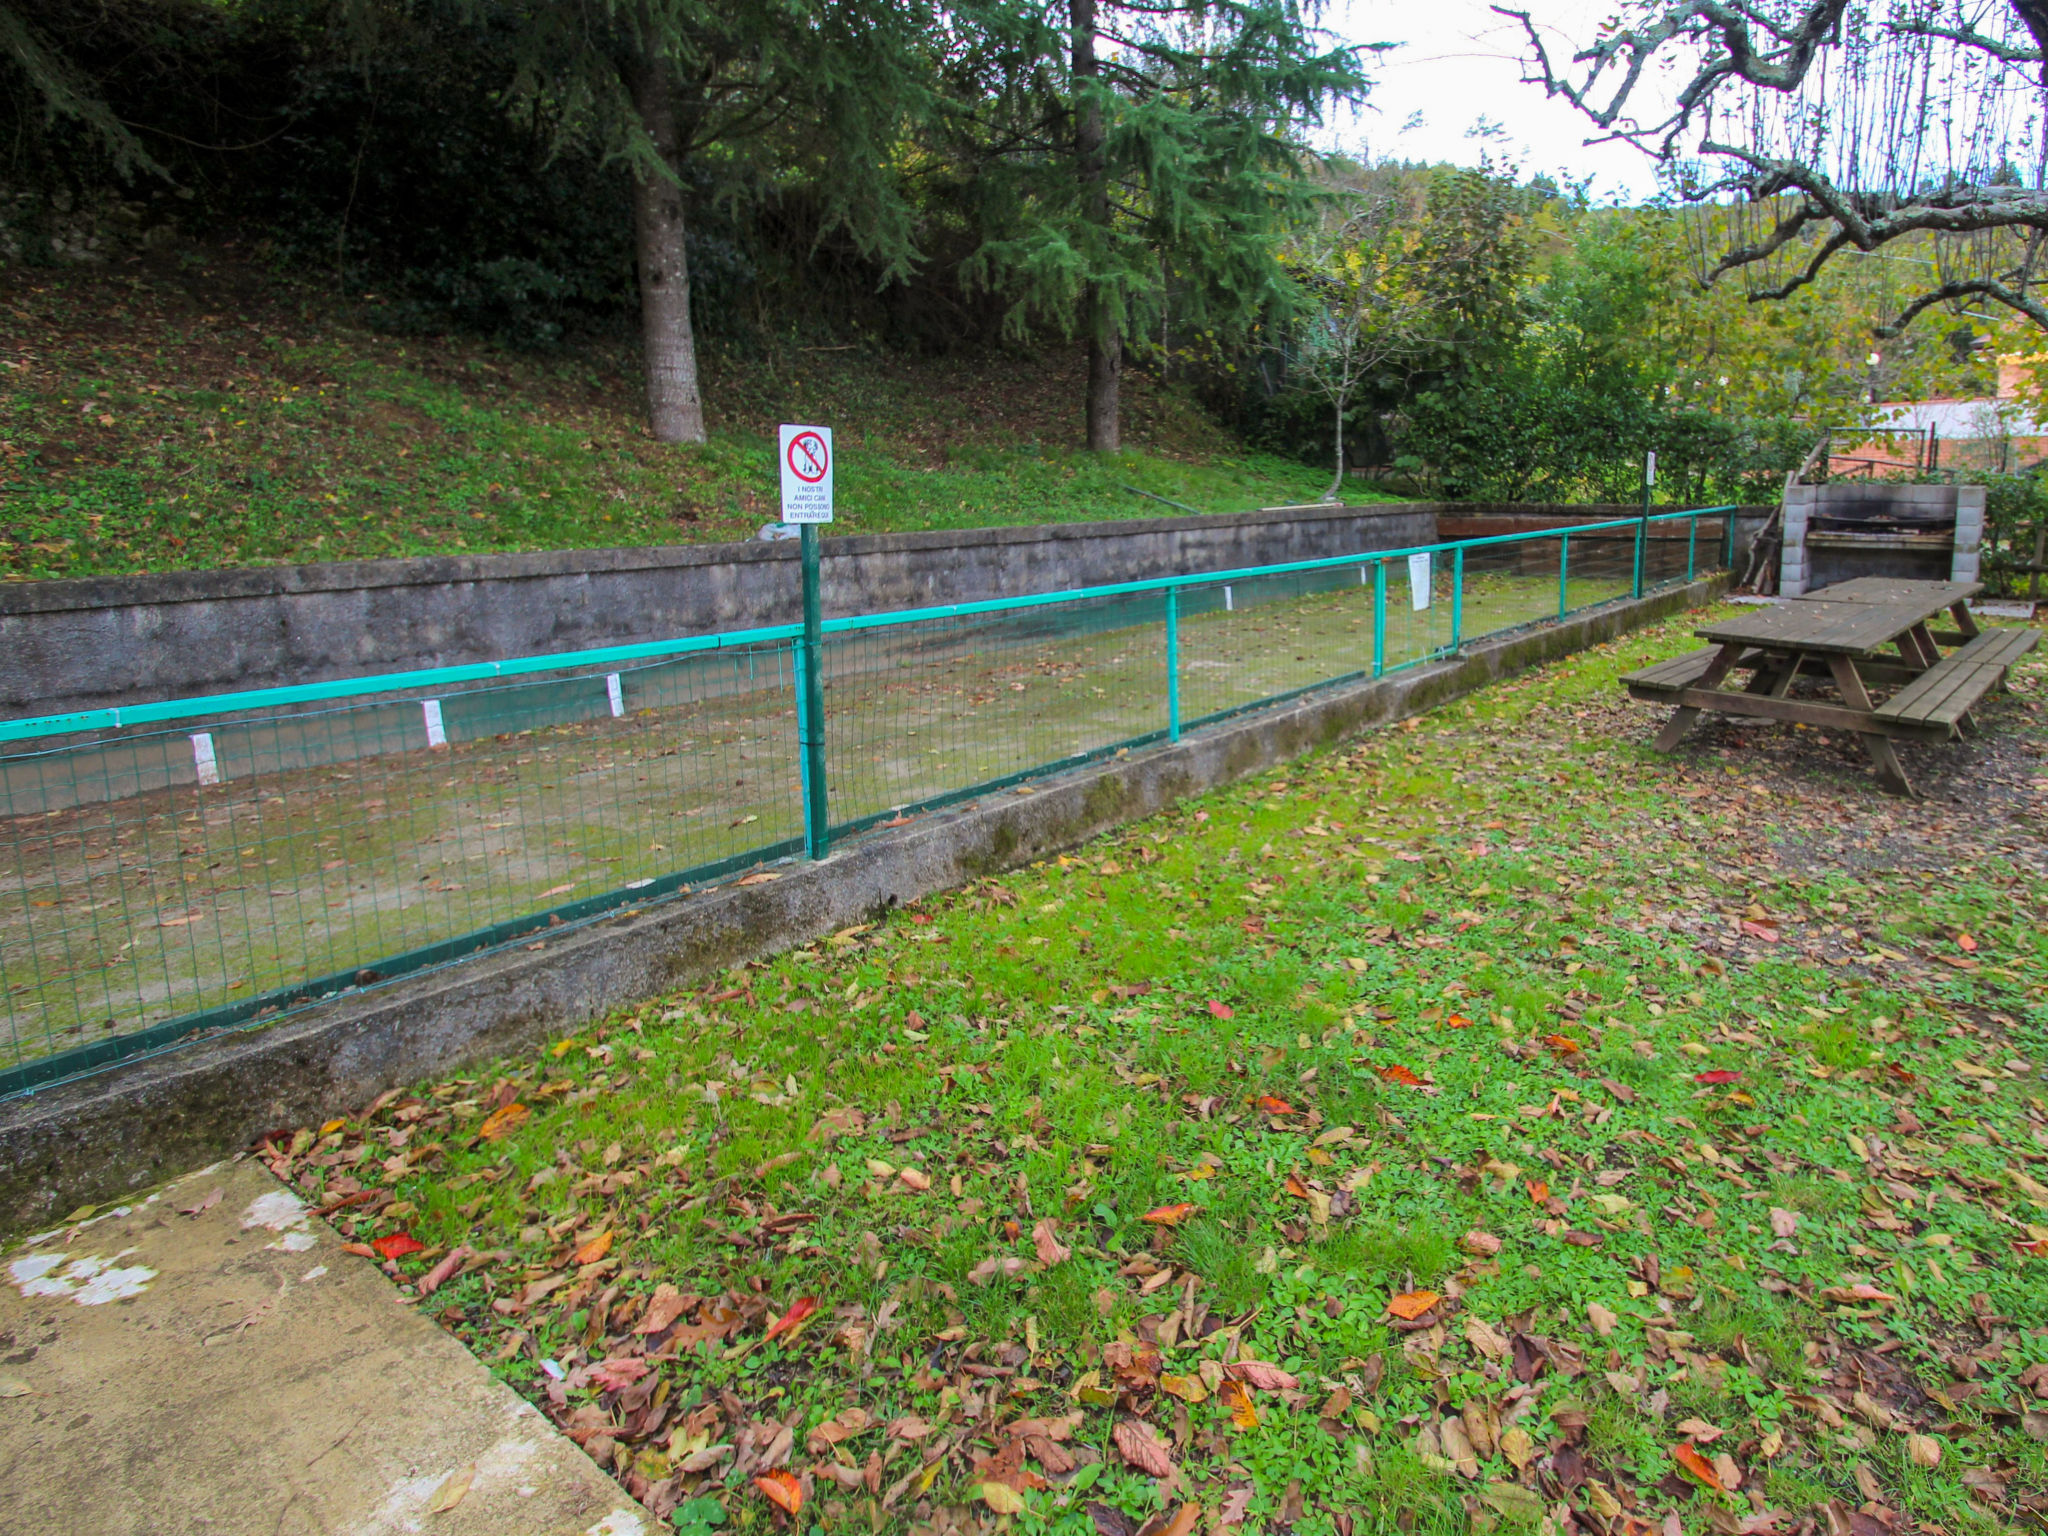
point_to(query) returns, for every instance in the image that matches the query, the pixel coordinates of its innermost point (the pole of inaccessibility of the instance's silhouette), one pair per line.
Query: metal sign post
(806, 456)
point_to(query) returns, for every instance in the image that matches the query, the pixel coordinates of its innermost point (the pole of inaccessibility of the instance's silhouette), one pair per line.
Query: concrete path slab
(233, 1371)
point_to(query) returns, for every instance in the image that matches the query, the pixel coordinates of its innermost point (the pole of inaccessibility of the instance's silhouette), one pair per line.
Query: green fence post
(1643, 527)
(1379, 617)
(1692, 539)
(1173, 663)
(1457, 597)
(1564, 565)
(810, 708)
(1728, 539)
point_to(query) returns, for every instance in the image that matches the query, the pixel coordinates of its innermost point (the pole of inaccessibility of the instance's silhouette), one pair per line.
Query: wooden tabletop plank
(1885, 589)
(1848, 629)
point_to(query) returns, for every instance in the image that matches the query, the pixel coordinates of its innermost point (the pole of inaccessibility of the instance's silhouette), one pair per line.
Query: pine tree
(681, 88)
(1128, 149)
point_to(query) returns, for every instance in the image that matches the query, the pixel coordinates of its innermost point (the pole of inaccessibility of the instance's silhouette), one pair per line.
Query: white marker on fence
(1228, 606)
(615, 693)
(203, 761)
(1418, 580)
(437, 734)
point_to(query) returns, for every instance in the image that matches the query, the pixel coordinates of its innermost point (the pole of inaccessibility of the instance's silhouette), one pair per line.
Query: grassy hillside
(192, 411)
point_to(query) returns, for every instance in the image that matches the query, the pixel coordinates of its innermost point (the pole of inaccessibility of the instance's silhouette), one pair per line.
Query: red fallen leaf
(1267, 1378)
(1769, 936)
(1696, 1465)
(1718, 1076)
(1141, 1446)
(1269, 1105)
(1845, 1295)
(782, 1490)
(1539, 1191)
(1564, 1045)
(921, 919)
(1903, 1074)
(396, 1245)
(1399, 1074)
(1966, 944)
(2038, 1247)
(1457, 1021)
(793, 1319)
(618, 1374)
(1296, 1188)
(1222, 1010)
(1170, 1215)
(896, 821)
(593, 1250)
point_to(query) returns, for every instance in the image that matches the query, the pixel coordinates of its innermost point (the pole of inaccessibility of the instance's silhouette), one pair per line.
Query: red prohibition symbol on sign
(808, 457)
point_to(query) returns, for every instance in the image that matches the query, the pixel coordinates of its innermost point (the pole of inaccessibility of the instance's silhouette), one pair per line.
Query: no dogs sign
(806, 474)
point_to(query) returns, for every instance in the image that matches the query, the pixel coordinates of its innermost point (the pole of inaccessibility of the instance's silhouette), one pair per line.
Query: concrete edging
(137, 1124)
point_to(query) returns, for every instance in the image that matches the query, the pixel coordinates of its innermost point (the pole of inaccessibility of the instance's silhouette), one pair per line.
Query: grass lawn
(1486, 1124)
(193, 410)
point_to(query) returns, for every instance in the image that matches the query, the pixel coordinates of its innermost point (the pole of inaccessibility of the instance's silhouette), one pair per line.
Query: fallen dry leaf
(1179, 1523)
(782, 1490)
(1602, 1319)
(593, 1250)
(1783, 1222)
(1847, 1295)
(793, 1319)
(1924, 1450)
(453, 1487)
(1239, 1401)
(1396, 1073)
(1695, 1465)
(1170, 1215)
(502, 1122)
(396, 1245)
(1047, 1245)
(1141, 1446)
(1267, 1378)
(1484, 1337)
(1001, 1498)
(1410, 1305)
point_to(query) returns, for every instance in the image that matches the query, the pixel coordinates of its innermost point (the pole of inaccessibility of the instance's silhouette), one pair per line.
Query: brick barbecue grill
(1834, 533)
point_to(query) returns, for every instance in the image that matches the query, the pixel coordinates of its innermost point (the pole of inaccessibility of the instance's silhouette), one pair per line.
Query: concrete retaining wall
(101, 1137)
(137, 639)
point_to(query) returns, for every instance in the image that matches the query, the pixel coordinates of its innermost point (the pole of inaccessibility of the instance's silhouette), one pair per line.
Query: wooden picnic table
(1841, 634)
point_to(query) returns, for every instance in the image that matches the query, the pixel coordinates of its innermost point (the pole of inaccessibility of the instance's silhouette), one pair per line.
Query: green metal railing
(173, 869)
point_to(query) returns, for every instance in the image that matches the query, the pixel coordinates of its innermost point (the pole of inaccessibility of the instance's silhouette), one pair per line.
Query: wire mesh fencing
(200, 864)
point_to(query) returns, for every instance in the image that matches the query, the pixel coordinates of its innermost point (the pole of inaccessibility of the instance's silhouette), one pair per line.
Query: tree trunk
(1099, 317)
(675, 408)
(1337, 480)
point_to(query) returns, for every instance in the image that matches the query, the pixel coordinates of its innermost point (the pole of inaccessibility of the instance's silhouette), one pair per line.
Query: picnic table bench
(1840, 634)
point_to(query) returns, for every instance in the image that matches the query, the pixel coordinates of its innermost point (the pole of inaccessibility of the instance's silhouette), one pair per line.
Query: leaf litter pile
(1485, 1125)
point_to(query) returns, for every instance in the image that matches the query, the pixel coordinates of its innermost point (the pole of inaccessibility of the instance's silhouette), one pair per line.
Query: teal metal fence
(173, 869)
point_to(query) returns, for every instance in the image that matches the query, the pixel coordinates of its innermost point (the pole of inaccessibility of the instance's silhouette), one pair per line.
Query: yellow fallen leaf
(1002, 1498)
(453, 1487)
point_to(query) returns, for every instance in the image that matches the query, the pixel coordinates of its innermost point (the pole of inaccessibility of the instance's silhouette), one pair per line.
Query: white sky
(1459, 63)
